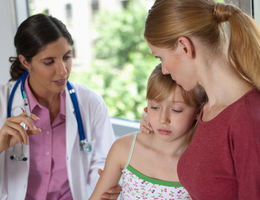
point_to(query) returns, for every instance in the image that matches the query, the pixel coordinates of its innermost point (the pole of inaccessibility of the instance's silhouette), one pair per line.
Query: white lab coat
(81, 167)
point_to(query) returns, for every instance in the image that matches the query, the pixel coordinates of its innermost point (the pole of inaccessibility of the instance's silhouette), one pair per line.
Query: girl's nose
(164, 117)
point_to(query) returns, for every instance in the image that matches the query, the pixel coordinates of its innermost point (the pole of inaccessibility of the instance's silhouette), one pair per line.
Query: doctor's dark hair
(32, 36)
(207, 20)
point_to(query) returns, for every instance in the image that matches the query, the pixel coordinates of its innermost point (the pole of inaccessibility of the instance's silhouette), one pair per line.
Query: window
(95, 5)
(124, 3)
(68, 11)
(111, 55)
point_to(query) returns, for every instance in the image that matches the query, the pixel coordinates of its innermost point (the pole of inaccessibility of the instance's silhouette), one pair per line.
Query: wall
(257, 10)
(12, 13)
(8, 24)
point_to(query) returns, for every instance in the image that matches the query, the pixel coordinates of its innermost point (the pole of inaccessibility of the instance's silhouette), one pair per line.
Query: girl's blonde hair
(168, 20)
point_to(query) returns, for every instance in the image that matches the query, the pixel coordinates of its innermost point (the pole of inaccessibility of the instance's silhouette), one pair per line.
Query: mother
(190, 38)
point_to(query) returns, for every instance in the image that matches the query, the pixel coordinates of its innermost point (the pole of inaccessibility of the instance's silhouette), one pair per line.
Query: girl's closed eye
(177, 110)
(154, 107)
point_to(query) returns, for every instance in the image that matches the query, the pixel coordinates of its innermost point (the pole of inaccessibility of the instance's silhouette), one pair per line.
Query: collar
(33, 102)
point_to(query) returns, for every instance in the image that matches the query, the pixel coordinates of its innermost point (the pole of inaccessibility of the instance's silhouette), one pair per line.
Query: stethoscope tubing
(11, 97)
(77, 112)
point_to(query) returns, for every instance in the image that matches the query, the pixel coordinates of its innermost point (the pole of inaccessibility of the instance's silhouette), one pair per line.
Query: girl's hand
(145, 125)
(13, 131)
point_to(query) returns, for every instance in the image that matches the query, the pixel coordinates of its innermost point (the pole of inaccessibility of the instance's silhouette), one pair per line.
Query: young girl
(148, 163)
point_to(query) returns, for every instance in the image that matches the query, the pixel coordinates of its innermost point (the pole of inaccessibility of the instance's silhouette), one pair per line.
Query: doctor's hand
(16, 130)
(112, 193)
(145, 125)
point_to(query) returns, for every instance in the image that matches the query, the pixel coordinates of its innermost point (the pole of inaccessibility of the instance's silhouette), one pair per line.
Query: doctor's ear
(24, 62)
(186, 46)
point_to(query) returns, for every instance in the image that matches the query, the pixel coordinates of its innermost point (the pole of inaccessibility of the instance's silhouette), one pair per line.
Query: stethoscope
(85, 145)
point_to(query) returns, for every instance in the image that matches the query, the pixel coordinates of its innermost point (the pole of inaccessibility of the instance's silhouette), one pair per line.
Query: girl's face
(177, 65)
(171, 118)
(50, 69)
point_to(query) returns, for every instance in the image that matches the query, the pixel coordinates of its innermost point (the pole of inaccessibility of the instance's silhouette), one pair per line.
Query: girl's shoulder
(121, 148)
(124, 142)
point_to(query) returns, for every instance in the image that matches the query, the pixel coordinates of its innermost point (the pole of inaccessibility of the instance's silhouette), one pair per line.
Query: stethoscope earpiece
(18, 158)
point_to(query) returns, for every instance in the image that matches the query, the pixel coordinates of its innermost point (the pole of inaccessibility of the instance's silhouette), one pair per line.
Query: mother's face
(175, 63)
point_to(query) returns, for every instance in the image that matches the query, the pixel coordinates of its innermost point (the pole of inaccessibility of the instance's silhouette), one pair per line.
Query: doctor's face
(50, 69)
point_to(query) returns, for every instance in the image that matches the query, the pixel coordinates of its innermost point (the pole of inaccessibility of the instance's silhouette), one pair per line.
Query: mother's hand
(145, 125)
(14, 130)
(112, 193)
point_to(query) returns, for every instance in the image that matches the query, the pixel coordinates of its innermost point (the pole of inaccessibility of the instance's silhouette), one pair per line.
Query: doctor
(54, 135)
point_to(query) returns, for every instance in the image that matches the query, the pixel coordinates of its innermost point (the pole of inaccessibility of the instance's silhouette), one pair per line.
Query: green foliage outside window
(122, 62)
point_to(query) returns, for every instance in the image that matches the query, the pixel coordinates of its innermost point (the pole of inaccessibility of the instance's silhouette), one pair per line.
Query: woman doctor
(54, 134)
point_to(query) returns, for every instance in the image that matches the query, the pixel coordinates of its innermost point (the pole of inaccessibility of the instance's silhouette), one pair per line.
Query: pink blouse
(48, 171)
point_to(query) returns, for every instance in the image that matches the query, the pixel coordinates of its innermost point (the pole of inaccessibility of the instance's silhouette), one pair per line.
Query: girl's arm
(112, 171)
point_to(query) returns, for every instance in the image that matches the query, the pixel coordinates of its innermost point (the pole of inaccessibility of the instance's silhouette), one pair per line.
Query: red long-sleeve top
(223, 160)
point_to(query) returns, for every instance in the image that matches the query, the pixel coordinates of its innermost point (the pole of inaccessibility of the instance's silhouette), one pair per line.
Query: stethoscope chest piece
(85, 146)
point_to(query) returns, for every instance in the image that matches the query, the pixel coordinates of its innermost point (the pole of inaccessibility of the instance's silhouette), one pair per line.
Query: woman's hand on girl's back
(113, 192)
